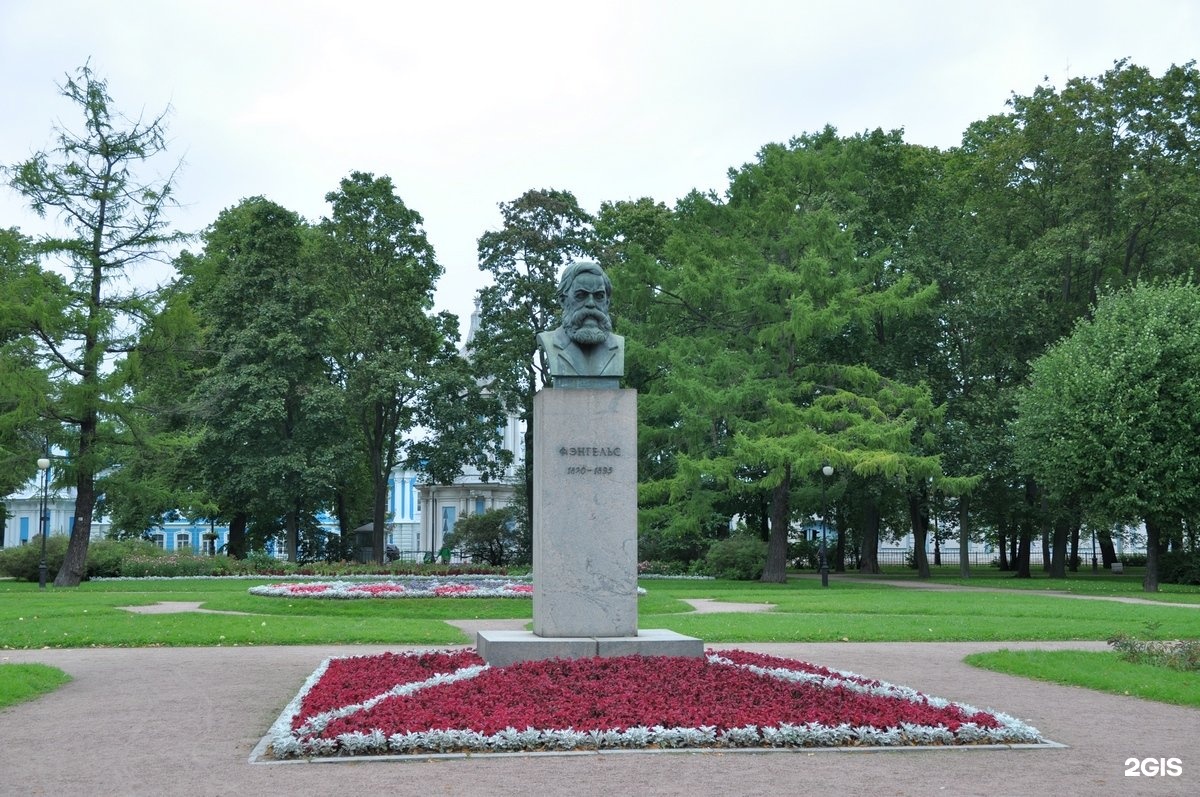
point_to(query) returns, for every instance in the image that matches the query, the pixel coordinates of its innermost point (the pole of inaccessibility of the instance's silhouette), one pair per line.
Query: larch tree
(114, 222)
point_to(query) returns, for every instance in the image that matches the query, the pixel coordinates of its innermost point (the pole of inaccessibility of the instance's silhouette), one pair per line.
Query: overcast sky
(469, 104)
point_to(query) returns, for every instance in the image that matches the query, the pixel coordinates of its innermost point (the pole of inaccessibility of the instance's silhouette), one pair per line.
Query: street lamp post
(43, 464)
(827, 471)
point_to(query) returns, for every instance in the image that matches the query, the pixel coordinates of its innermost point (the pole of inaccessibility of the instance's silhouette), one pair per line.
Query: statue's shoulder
(553, 339)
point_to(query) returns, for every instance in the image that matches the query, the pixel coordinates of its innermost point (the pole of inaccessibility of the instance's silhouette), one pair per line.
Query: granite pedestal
(584, 535)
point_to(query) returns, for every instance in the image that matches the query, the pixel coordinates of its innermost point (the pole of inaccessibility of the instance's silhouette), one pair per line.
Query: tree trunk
(1154, 536)
(1024, 544)
(1002, 539)
(920, 530)
(74, 566)
(839, 556)
(291, 535)
(379, 518)
(964, 538)
(775, 571)
(1108, 551)
(236, 545)
(1058, 560)
(1073, 562)
(869, 561)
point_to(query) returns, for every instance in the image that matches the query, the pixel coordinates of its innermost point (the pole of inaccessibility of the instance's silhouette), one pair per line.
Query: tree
(159, 472)
(380, 276)
(114, 223)
(1074, 192)
(1111, 416)
(490, 537)
(765, 288)
(275, 435)
(24, 289)
(543, 230)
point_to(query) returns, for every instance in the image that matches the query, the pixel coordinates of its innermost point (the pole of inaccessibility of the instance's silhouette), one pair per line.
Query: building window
(159, 539)
(183, 541)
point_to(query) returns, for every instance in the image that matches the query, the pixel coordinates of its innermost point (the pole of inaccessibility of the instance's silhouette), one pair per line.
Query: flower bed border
(282, 745)
(404, 587)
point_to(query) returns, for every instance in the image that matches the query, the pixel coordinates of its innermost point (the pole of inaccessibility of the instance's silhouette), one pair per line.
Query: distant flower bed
(453, 702)
(400, 588)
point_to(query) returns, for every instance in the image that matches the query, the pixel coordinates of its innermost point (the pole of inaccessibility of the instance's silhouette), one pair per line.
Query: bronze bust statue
(583, 352)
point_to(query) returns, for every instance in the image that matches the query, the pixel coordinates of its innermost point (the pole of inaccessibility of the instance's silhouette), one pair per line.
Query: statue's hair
(574, 270)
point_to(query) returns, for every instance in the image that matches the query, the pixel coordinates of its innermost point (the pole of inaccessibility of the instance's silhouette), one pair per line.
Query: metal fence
(946, 556)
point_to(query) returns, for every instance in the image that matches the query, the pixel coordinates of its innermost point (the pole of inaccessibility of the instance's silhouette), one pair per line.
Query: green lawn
(21, 682)
(854, 610)
(1000, 609)
(1100, 670)
(1084, 582)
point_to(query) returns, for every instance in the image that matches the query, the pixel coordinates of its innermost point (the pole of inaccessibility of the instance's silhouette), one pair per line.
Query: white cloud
(466, 104)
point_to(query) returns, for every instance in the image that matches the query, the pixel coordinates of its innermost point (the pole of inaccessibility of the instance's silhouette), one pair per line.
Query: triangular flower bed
(452, 702)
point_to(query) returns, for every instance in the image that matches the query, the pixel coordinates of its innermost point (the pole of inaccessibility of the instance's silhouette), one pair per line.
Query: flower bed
(400, 588)
(453, 702)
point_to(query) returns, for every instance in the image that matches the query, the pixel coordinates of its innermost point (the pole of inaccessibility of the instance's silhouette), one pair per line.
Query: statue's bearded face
(585, 311)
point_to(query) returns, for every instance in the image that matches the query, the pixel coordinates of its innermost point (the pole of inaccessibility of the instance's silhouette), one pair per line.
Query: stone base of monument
(500, 648)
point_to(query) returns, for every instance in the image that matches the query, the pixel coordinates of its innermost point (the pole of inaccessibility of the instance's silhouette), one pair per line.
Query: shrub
(1181, 654)
(662, 568)
(741, 558)
(105, 556)
(1180, 567)
(803, 554)
(22, 561)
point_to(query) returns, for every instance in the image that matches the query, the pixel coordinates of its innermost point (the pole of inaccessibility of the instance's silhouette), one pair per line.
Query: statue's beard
(588, 327)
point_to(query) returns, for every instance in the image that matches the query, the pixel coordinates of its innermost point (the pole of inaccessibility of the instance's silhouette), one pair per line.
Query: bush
(105, 556)
(22, 561)
(803, 554)
(1183, 655)
(741, 558)
(1180, 567)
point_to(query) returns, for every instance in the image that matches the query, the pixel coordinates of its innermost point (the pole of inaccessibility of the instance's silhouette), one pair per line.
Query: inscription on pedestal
(585, 513)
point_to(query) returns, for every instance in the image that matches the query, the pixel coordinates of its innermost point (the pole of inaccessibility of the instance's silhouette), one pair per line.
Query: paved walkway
(183, 721)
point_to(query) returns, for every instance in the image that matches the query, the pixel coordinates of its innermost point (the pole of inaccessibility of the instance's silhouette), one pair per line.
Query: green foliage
(1111, 419)
(1180, 567)
(22, 682)
(275, 429)
(22, 562)
(740, 558)
(113, 222)
(106, 557)
(1179, 654)
(491, 537)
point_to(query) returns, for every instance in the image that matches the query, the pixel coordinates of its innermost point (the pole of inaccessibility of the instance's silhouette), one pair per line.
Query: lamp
(43, 464)
(827, 471)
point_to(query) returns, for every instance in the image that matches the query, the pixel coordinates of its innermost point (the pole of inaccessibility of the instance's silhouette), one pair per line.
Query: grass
(22, 682)
(1104, 671)
(1084, 582)
(852, 610)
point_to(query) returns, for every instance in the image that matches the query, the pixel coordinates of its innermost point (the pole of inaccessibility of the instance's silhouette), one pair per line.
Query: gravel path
(183, 721)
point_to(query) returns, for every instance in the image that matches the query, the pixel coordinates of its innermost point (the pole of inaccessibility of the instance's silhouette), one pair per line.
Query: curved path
(183, 721)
